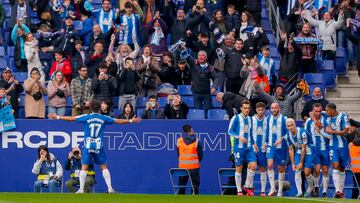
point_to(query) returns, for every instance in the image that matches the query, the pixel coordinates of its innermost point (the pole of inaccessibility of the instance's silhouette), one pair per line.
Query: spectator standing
(18, 38)
(105, 17)
(13, 89)
(182, 73)
(20, 10)
(87, 29)
(308, 63)
(81, 92)
(32, 55)
(355, 39)
(167, 69)
(34, 99)
(100, 36)
(129, 25)
(48, 170)
(177, 29)
(78, 58)
(316, 97)
(175, 108)
(199, 19)
(94, 58)
(127, 81)
(190, 154)
(157, 30)
(61, 64)
(66, 41)
(58, 90)
(254, 7)
(104, 85)
(152, 110)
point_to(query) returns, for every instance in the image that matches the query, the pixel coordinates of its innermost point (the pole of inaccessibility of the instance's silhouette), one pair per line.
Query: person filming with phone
(175, 108)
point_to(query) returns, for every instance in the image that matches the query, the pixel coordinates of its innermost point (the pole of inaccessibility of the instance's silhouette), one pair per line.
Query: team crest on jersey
(274, 128)
(246, 128)
(259, 131)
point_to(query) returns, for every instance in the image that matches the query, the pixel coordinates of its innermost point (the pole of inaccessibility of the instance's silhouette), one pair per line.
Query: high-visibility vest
(188, 156)
(355, 158)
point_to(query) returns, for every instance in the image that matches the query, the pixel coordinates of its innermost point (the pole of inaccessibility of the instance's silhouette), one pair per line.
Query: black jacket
(66, 41)
(93, 63)
(232, 101)
(308, 106)
(171, 113)
(233, 64)
(103, 37)
(289, 63)
(127, 80)
(148, 114)
(167, 74)
(104, 89)
(201, 77)
(183, 77)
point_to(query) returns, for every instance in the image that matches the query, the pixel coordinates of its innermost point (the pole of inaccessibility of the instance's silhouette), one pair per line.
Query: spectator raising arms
(18, 38)
(61, 64)
(32, 55)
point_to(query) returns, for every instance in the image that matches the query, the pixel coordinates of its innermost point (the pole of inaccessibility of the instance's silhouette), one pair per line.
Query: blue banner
(7, 121)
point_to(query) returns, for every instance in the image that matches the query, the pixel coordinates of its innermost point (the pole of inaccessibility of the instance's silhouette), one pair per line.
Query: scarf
(145, 59)
(315, 98)
(157, 36)
(105, 20)
(204, 66)
(56, 6)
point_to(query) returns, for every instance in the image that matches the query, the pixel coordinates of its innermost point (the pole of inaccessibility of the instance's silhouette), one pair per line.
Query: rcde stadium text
(113, 140)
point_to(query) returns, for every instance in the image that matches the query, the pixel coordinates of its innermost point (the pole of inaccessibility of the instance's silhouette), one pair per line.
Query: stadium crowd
(88, 50)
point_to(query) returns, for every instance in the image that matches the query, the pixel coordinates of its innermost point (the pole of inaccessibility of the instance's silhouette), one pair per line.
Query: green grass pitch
(142, 198)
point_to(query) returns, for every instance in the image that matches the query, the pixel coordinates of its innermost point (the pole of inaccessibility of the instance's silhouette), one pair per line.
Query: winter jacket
(104, 89)
(32, 56)
(153, 114)
(64, 66)
(167, 74)
(81, 93)
(54, 99)
(197, 22)
(289, 63)
(181, 113)
(232, 101)
(127, 81)
(327, 30)
(93, 63)
(183, 77)
(19, 41)
(86, 31)
(66, 41)
(232, 21)
(233, 62)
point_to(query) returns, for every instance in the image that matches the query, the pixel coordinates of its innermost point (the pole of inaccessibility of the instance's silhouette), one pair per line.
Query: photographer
(128, 79)
(152, 110)
(175, 108)
(58, 90)
(73, 164)
(48, 169)
(34, 100)
(13, 89)
(199, 19)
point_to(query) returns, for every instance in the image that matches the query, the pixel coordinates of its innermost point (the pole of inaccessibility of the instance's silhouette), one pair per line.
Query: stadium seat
(22, 100)
(314, 78)
(328, 70)
(139, 112)
(223, 175)
(184, 90)
(189, 100)
(216, 103)
(271, 39)
(7, 25)
(20, 76)
(116, 102)
(21, 113)
(68, 111)
(2, 51)
(141, 102)
(6, 1)
(7, 10)
(68, 102)
(3, 63)
(12, 64)
(162, 101)
(196, 114)
(217, 114)
(274, 53)
(340, 61)
(97, 1)
(10, 51)
(117, 112)
(264, 15)
(180, 172)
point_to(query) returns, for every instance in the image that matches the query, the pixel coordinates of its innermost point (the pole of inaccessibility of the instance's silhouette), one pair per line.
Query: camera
(76, 154)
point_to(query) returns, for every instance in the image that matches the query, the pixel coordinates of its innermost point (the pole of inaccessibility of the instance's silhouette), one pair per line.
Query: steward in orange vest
(354, 148)
(190, 154)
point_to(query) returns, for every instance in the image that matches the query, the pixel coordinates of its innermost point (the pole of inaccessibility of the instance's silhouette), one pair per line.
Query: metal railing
(275, 19)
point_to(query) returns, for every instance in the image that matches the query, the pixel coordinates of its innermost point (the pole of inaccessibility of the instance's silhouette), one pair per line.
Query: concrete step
(349, 105)
(355, 115)
(352, 77)
(345, 91)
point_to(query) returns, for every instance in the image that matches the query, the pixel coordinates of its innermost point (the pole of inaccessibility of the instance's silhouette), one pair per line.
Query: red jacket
(63, 66)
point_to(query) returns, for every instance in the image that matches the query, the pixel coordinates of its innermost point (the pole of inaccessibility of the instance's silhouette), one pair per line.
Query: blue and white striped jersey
(338, 123)
(258, 132)
(321, 140)
(301, 137)
(240, 126)
(276, 129)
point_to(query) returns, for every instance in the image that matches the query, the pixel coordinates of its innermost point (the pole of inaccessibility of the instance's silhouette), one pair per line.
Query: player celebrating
(301, 146)
(337, 126)
(258, 132)
(93, 149)
(315, 126)
(239, 128)
(276, 151)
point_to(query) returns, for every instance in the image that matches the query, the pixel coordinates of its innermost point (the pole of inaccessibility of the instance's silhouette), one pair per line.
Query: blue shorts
(244, 155)
(90, 158)
(340, 155)
(322, 157)
(278, 155)
(308, 160)
(261, 159)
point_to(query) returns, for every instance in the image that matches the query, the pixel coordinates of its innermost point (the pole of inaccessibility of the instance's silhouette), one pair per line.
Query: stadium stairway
(346, 96)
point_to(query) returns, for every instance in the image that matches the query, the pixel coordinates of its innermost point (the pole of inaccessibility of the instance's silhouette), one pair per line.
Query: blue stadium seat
(139, 112)
(117, 112)
(21, 113)
(68, 102)
(78, 25)
(22, 100)
(264, 14)
(314, 78)
(328, 70)
(274, 53)
(162, 101)
(216, 103)
(3, 63)
(277, 65)
(188, 101)
(97, 1)
(10, 51)
(116, 102)
(184, 90)
(2, 51)
(340, 61)
(12, 64)
(68, 111)
(7, 10)
(33, 14)
(196, 114)
(7, 25)
(217, 114)
(271, 39)
(141, 102)
(20, 76)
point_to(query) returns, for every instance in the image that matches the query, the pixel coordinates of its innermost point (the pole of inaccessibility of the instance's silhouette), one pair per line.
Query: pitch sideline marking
(312, 199)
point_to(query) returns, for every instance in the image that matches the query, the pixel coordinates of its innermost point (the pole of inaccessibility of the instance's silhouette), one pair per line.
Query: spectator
(111, 65)
(290, 59)
(256, 39)
(48, 170)
(201, 73)
(100, 36)
(190, 154)
(316, 97)
(148, 67)
(157, 35)
(104, 85)
(127, 81)
(123, 52)
(73, 164)
(245, 24)
(67, 10)
(87, 29)
(355, 39)
(81, 92)
(232, 19)
(54, 7)
(199, 19)
(13, 89)
(32, 55)
(182, 73)
(66, 41)
(231, 102)
(167, 69)
(152, 110)
(202, 44)
(175, 108)
(105, 17)
(61, 64)
(78, 58)
(327, 32)
(58, 90)
(268, 64)
(129, 25)
(4, 100)
(295, 21)
(308, 63)
(20, 10)
(254, 7)
(219, 21)
(105, 108)
(150, 12)
(18, 38)
(94, 58)
(128, 112)
(177, 29)
(354, 155)
(34, 99)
